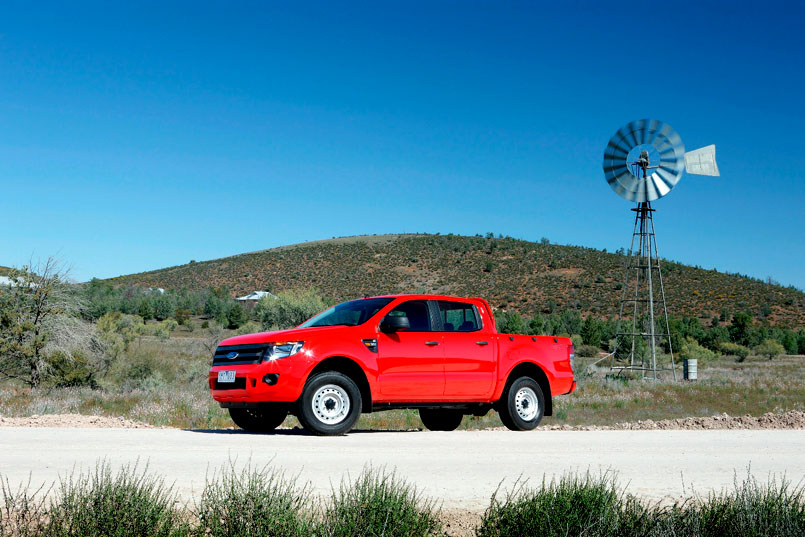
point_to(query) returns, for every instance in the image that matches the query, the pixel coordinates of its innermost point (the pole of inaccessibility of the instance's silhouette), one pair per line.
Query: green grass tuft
(251, 502)
(378, 503)
(128, 503)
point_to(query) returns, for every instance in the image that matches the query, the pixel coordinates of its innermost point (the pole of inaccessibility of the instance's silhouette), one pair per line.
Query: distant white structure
(10, 282)
(159, 290)
(256, 295)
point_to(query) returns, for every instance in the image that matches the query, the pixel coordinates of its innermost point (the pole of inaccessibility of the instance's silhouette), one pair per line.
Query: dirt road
(460, 468)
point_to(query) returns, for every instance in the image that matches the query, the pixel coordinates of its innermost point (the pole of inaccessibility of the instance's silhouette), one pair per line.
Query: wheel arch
(350, 368)
(530, 369)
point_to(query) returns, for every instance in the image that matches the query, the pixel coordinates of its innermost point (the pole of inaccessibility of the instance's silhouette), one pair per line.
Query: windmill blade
(625, 147)
(702, 161)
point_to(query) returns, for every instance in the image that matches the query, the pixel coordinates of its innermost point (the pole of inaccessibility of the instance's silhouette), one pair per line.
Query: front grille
(239, 384)
(246, 354)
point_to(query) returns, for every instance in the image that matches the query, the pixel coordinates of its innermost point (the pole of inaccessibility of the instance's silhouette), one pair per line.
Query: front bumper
(278, 381)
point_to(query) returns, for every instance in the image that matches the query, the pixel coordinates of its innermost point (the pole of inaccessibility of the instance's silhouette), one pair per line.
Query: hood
(293, 334)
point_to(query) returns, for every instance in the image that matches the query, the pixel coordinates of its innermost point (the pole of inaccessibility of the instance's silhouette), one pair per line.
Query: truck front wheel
(330, 404)
(522, 405)
(258, 420)
(440, 419)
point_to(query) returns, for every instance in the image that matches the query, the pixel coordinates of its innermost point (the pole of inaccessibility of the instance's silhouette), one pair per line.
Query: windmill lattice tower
(644, 160)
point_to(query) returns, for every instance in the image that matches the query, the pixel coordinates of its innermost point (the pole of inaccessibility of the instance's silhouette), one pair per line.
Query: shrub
(733, 349)
(574, 505)
(587, 351)
(22, 513)
(769, 349)
(252, 502)
(752, 509)
(126, 504)
(691, 350)
(378, 503)
(69, 370)
(250, 327)
(182, 315)
(288, 309)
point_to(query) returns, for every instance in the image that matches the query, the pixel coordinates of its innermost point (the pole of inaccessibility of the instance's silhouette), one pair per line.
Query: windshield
(350, 313)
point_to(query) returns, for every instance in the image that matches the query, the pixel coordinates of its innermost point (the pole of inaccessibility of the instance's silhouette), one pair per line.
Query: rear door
(469, 354)
(410, 363)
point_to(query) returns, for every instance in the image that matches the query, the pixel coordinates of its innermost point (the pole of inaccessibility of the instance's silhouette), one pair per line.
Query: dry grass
(175, 394)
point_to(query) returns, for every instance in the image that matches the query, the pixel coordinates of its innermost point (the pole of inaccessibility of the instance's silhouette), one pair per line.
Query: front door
(410, 363)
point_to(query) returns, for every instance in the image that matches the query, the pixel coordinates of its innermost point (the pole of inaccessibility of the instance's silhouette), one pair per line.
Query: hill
(514, 274)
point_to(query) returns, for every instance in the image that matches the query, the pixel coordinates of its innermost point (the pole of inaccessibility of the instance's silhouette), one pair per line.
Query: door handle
(431, 343)
(482, 343)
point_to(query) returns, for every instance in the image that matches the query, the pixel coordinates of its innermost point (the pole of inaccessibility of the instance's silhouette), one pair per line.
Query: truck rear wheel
(330, 404)
(258, 420)
(441, 419)
(522, 406)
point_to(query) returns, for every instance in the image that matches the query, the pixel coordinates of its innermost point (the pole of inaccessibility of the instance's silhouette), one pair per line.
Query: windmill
(643, 161)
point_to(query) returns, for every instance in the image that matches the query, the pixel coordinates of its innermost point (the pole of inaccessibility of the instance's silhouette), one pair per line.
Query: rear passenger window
(417, 313)
(458, 317)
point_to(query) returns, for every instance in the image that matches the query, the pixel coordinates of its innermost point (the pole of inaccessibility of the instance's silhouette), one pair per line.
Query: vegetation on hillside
(512, 274)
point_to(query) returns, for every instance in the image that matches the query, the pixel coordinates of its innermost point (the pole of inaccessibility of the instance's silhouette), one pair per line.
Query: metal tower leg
(644, 261)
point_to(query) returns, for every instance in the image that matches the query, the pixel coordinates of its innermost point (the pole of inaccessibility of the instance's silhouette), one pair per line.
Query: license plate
(226, 376)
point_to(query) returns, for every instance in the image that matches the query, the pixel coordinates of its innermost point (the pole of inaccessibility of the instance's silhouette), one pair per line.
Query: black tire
(330, 404)
(441, 419)
(258, 420)
(516, 407)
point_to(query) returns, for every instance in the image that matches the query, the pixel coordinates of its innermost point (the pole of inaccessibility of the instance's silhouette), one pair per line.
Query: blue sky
(148, 134)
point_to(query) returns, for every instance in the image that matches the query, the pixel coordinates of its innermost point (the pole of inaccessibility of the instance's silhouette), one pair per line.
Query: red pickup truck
(441, 355)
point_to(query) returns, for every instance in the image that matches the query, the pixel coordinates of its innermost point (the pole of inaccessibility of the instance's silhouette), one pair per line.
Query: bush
(182, 315)
(251, 502)
(733, 349)
(587, 351)
(288, 309)
(376, 504)
(126, 504)
(769, 349)
(69, 370)
(572, 506)
(593, 507)
(249, 328)
(752, 509)
(691, 350)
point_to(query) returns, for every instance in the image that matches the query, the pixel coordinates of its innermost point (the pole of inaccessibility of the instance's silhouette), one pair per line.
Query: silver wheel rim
(331, 404)
(526, 403)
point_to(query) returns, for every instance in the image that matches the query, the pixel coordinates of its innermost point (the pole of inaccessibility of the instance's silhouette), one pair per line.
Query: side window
(417, 313)
(458, 317)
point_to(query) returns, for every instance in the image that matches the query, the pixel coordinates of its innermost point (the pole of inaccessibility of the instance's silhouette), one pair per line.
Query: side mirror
(395, 323)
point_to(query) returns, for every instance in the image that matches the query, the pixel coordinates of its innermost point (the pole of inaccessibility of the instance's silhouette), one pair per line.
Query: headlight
(282, 349)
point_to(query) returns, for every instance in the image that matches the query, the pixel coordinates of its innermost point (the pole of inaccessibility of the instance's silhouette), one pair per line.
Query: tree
(30, 309)
(146, 309)
(236, 316)
(510, 323)
(769, 349)
(740, 328)
(591, 331)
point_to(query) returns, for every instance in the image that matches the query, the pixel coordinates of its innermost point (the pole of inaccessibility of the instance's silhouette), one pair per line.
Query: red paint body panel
(408, 367)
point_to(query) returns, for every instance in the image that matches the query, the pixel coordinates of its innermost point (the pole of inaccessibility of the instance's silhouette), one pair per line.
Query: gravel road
(460, 468)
